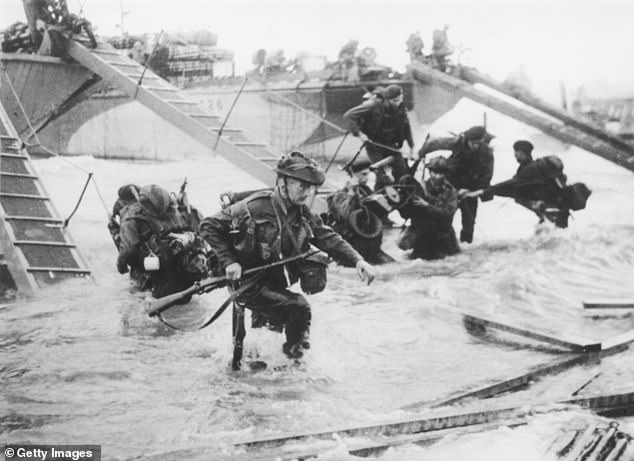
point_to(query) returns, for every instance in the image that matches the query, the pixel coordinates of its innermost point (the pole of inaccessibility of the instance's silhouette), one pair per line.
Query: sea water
(81, 362)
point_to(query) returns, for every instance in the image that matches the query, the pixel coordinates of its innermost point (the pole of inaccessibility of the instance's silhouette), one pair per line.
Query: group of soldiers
(167, 246)
(454, 183)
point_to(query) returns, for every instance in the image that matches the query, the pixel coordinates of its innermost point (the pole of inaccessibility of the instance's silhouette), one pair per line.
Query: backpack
(576, 195)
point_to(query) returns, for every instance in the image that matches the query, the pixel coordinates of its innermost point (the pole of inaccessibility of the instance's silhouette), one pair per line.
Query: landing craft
(93, 65)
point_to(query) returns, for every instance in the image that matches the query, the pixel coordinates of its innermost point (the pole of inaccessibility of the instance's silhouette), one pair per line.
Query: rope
(51, 152)
(332, 159)
(233, 104)
(297, 106)
(17, 99)
(147, 63)
(81, 196)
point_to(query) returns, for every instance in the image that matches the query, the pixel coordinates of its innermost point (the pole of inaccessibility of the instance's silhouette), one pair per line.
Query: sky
(572, 41)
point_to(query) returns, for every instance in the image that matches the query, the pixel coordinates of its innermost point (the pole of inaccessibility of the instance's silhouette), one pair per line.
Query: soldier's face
(397, 101)
(522, 157)
(362, 176)
(475, 144)
(436, 177)
(298, 192)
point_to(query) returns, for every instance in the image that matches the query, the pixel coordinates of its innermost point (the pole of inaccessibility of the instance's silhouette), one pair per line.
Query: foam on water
(84, 363)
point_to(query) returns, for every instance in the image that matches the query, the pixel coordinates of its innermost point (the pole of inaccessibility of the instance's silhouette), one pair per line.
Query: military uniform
(431, 234)
(144, 231)
(341, 206)
(539, 186)
(386, 125)
(468, 169)
(264, 228)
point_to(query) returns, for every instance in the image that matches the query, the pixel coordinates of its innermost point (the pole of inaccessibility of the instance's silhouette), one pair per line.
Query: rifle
(160, 305)
(182, 196)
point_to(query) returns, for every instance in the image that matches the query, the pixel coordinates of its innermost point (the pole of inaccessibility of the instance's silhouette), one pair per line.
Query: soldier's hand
(233, 271)
(366, 272)
(470, 194)
(363, 137)
(419, 201)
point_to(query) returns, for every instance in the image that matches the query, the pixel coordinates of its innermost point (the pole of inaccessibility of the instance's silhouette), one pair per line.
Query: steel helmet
(438, 164)
(296, 165)
(155, 199)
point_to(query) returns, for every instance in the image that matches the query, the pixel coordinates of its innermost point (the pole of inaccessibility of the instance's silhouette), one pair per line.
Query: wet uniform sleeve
(130, 240)
(356, 116)
(438, 144)
(506, 188)
(332, 243)
(216, 231)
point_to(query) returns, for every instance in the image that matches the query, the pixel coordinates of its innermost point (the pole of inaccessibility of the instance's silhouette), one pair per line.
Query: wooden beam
(575, 344)
(615, 345)
(425, 429)
(608, 304)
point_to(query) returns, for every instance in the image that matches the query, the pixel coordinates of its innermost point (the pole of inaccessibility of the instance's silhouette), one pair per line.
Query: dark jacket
(540, 179)
(262, 228)
(538, 185)
(467, 169)
(431, 234)
(139, 227)
(381, 123)
(341, 206)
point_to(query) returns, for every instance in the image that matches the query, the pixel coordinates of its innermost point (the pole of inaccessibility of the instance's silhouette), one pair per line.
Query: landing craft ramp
(35, 246)
(535, 113)
(173, 105)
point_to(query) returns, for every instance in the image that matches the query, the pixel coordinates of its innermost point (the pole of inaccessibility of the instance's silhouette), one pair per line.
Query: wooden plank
(575, 344)
(525, 96)
(545, 123)
(387, 428)
(608, 304)
(378, 445)
(507, 385)
(442, 422)
(618, 344)
(619, 341)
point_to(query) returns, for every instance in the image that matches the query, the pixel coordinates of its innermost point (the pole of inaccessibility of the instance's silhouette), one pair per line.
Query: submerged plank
(608, 304)
(425, 428)
(576, 344)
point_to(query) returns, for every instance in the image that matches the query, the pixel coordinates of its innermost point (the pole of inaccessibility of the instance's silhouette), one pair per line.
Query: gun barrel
(161, 304)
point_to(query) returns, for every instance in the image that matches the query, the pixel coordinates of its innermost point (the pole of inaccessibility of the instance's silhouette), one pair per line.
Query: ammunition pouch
(313, 273)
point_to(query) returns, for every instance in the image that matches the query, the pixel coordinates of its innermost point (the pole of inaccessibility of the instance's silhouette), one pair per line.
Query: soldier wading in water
(272, 225)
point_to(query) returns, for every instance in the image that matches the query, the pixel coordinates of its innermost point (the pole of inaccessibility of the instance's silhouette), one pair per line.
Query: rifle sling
(245, 286)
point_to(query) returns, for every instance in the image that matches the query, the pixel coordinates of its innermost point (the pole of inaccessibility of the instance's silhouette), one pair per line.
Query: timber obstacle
(582, 352)
(371, 439)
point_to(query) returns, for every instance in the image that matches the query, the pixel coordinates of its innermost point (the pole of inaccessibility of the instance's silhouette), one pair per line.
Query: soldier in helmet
(158, 243)
(272, 225)
(431, 207)
(470, 167)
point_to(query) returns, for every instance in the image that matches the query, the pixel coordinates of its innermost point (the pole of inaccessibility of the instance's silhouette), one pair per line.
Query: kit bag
(576, 195)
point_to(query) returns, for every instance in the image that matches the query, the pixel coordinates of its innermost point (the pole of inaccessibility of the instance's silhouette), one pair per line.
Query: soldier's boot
(466, 236)
(293, 351)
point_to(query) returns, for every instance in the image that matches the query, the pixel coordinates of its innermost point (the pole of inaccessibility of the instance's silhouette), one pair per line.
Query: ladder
(37, 250)
(577, 136)
(173, 105)
(474, 76)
